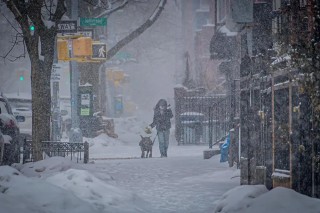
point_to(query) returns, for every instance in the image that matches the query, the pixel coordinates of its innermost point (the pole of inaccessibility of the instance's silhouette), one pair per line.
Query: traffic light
(63, 50)
(82, 47)
(21, 77)
(32, 28)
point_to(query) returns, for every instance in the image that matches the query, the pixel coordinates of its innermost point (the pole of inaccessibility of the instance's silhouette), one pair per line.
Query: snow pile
(237, 199)
(59, 185)
(125, 146)
(103, 196)
(252, 199)
(30, 195)
(46, 167)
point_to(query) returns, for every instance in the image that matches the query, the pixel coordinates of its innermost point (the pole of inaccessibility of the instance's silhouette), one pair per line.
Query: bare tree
(44, 15)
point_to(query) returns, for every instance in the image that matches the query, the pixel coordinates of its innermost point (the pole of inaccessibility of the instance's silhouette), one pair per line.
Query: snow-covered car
(22, 106)
(9, 127)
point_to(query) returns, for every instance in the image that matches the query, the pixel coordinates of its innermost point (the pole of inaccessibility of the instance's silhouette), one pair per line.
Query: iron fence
(74, 151)
(203, 120)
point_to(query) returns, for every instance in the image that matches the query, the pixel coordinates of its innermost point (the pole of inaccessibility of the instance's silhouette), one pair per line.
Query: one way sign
(68, 26)
(99, 51)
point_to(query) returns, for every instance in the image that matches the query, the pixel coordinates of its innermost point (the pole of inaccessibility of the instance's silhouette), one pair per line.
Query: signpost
(69, 26)
(93, 22)
(99, 51)
(56, 122)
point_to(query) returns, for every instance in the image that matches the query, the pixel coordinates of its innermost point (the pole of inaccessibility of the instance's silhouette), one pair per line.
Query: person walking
(161, 120)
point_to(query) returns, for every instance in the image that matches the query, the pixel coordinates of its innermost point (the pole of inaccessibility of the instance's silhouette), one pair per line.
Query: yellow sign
(115, 75)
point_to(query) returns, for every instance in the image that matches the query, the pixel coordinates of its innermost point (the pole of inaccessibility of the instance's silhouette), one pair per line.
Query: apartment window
(221, 10)
(202, 18)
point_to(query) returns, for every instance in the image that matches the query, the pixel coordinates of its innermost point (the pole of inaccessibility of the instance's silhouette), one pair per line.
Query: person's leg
(166, 142)
(161, 139)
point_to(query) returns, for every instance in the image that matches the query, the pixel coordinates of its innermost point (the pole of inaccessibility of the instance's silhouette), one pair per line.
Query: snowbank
(253, 199)
(237, 199)
(103, 196)
(29, 195)
(46, 167)
(58, 185)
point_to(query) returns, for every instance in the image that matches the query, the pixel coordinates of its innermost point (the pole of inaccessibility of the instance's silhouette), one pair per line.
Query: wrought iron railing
(74, 151)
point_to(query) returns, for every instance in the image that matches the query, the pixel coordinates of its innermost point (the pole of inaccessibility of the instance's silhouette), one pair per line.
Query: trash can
(191, 124)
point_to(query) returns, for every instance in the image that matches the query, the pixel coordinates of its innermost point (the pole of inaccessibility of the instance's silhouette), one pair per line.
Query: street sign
(86, 33)
(99, 51)
(93, 22)
(55, 73)
(69, 26)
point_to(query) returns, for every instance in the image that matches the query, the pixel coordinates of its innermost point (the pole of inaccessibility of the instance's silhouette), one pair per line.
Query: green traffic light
(32, 28)
(21, 78)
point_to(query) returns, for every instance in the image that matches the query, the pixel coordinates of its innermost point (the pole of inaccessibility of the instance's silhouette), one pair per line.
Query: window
(221, 10)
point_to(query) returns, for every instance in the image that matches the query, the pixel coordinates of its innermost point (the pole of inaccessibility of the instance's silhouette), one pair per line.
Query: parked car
(9, 127)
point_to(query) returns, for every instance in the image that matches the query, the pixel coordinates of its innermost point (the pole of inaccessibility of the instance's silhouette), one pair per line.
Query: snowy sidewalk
(173, 184)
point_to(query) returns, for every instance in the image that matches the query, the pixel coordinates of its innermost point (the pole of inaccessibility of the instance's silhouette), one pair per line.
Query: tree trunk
(41, 105)
(41, 93)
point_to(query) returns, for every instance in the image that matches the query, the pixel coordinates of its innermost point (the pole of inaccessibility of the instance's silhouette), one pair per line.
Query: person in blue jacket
(225, 149)
(161, 120)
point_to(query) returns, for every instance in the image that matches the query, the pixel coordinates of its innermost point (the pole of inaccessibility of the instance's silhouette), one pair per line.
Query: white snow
(280, 59)
(117, 180)
(192, 113)
(253, 199)
(225, 30)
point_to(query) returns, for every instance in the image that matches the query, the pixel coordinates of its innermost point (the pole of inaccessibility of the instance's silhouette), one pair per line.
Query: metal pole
(55, 112)
(55, 136)
(75, 133)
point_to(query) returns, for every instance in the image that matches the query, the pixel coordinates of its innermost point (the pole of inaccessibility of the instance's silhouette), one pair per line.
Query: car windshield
(3, 107)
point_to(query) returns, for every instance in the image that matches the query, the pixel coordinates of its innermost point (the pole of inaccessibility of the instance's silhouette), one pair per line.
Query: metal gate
(202, 120)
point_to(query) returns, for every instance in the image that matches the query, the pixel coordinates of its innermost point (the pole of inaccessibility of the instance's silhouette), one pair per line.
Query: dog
(146, 146)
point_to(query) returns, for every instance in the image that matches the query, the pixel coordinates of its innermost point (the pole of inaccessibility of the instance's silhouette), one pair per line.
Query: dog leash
(154, 139)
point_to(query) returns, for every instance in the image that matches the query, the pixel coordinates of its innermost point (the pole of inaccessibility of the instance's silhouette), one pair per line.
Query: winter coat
(162, 120)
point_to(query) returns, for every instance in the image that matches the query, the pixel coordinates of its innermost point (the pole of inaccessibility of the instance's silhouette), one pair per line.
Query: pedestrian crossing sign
(99, 51)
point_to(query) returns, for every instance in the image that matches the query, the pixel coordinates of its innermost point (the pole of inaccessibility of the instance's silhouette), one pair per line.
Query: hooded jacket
(162, 116)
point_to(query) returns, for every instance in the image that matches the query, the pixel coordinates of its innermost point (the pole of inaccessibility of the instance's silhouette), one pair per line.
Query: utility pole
(75, 133)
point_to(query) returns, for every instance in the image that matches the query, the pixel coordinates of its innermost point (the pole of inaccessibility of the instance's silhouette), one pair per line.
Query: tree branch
(138, 31)
(108, 12)
(60, 10)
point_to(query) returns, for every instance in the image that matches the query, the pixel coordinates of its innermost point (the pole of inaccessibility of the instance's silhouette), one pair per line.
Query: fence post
(232, 147)
(86, 152)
